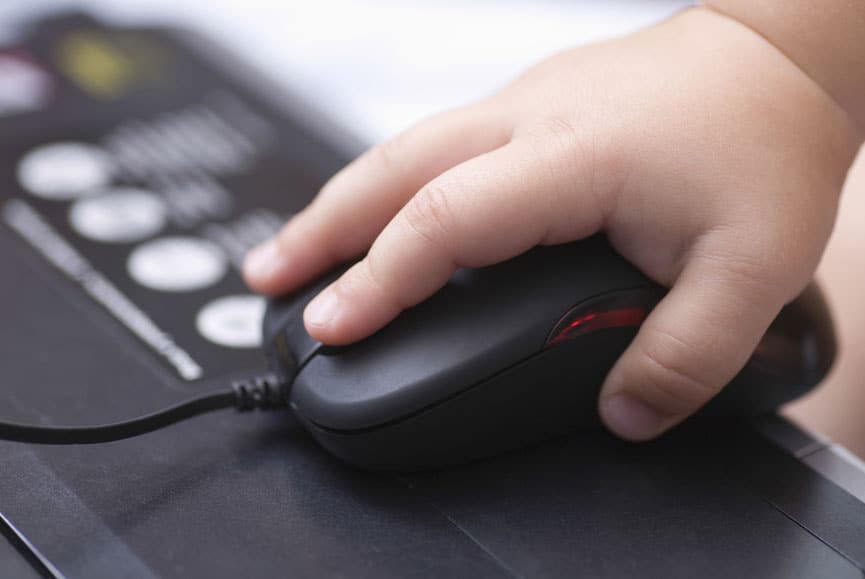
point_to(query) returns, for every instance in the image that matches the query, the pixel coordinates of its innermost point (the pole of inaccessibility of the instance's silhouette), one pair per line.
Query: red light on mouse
(628, 317)
(622, 309)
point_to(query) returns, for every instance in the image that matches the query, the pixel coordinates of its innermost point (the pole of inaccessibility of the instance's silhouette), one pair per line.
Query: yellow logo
(107, 67)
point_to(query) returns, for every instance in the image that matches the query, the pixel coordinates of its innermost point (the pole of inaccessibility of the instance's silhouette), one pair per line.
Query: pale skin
(710, 154)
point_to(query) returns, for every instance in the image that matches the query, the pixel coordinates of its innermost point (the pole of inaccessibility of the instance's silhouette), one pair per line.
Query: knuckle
(286, 237)
(370, 276)
(579, 161)
(557, 135)
(387, 155)
(552, 143)
(736, 264)
(753, 271)
(305, 230)
(561, 130)
(430, 215)
(671, 369)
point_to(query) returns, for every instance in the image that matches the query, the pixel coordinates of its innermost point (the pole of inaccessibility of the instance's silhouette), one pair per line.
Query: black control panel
(143, 176)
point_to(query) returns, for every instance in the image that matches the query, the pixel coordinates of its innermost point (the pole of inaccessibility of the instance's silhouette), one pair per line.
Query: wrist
(749, 77)
(823, 39)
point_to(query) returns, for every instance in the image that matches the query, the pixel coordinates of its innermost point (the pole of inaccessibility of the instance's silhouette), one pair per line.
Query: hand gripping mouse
(508, 355)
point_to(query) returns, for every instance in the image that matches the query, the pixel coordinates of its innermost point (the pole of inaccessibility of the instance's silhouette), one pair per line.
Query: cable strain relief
(259, 393)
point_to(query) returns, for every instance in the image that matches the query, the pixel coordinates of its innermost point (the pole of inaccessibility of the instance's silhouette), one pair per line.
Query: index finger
(354, 206)
(484, 211)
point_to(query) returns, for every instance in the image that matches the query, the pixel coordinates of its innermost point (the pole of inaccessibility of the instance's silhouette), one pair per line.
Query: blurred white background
(376, 66)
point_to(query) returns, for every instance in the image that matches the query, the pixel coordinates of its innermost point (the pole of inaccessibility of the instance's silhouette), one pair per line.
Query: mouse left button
(287, 345)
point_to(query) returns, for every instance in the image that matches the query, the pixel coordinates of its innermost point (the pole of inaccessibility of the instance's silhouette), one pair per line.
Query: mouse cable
(259, 393)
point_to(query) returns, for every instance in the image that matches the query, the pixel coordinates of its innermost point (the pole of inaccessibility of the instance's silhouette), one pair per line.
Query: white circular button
(121, 216)
(64, 171)
(177, 264)
(233, 321)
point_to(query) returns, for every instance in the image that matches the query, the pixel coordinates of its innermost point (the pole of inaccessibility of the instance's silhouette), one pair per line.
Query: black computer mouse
(508, 355)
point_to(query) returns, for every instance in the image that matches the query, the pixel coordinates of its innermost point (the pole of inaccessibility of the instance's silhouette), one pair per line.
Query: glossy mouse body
(505, 356)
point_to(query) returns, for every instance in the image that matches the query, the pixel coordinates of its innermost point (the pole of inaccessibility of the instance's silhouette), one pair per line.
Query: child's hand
(712, 162)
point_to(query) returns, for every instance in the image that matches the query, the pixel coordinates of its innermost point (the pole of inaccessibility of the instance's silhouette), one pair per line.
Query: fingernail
(262, 260)
(322, 309)
(631, 418)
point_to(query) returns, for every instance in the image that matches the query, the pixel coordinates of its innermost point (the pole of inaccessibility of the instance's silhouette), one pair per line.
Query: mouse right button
(794, 356)
(800, 343)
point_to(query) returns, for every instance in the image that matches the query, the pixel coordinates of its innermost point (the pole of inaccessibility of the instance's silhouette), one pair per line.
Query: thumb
(694, 342)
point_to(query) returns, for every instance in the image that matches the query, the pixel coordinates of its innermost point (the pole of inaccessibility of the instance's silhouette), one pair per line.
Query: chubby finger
(483, 211)
(354, 206)
(693, 343)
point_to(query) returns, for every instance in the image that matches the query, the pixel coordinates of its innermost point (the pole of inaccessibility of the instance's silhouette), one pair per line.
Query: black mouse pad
(169, 155)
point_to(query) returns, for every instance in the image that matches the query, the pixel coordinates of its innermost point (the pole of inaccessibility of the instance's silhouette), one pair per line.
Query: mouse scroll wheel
(619, 309)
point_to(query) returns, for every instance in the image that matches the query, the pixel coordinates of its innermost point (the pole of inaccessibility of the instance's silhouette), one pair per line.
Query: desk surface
(249, 498)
